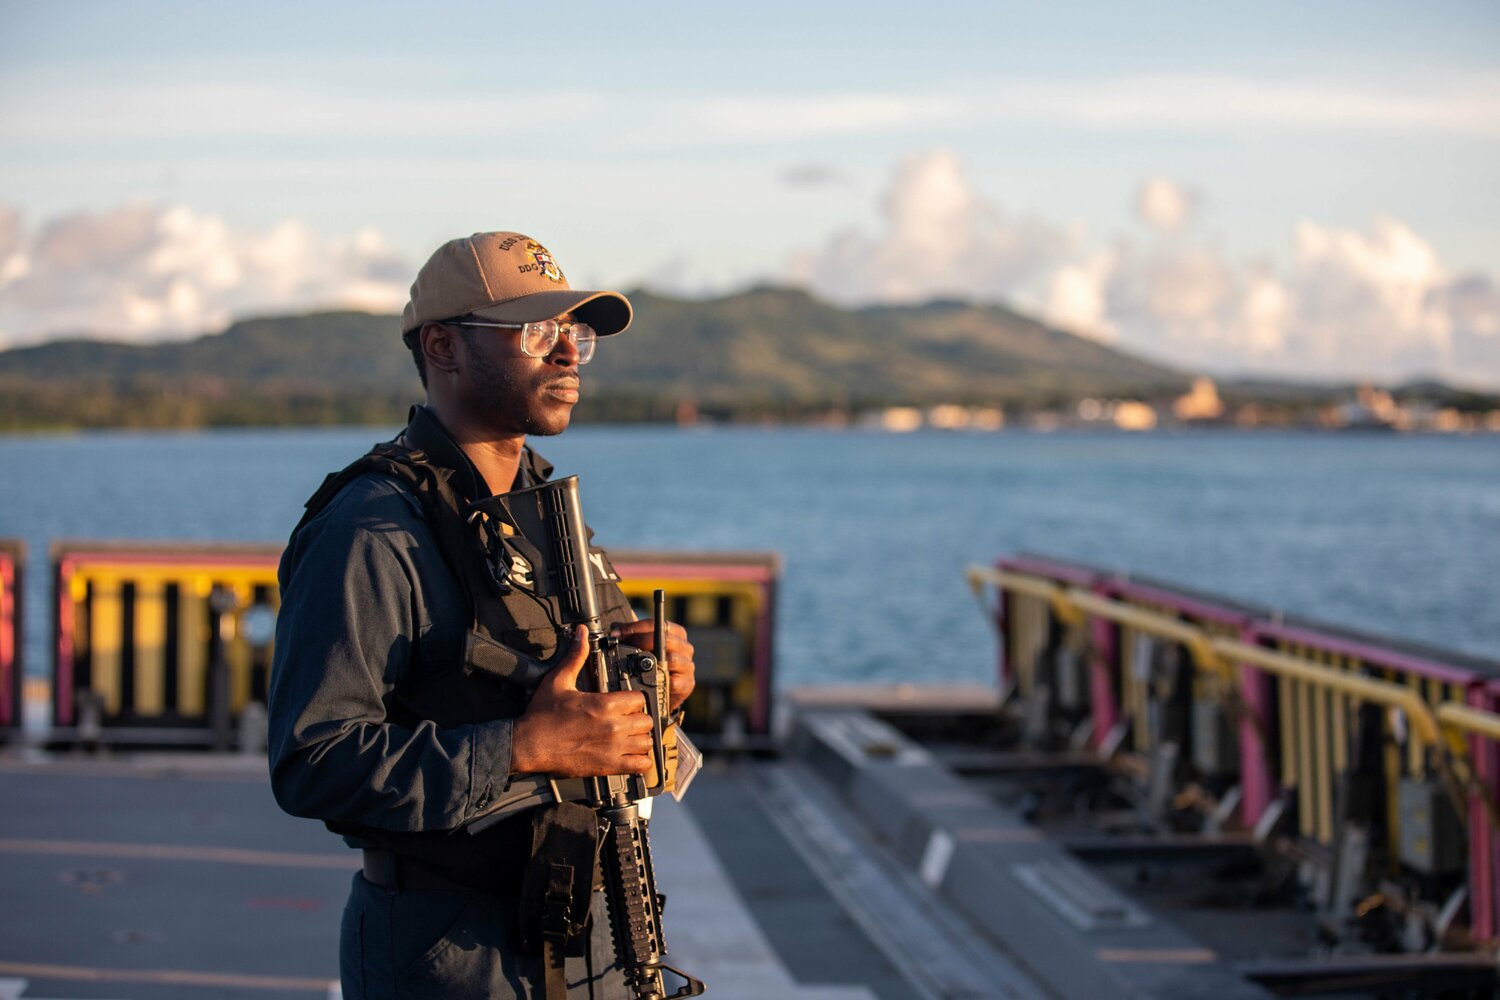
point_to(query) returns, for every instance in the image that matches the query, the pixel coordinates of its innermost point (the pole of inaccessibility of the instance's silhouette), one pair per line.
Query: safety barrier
(1287, 715)
(170, 643)
(160, 642)
(12, 565)
(727, 601)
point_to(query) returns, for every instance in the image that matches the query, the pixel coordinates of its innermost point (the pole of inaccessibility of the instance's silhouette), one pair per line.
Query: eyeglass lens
(538, 339)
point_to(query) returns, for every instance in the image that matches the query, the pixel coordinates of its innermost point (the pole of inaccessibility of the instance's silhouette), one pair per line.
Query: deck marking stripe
(1169, 956)
(164, 977)
(178, 852)
(148, 772)
(999, 835)
(935, 857)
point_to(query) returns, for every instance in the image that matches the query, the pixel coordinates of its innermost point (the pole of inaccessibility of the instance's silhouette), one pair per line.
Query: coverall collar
(426, 433)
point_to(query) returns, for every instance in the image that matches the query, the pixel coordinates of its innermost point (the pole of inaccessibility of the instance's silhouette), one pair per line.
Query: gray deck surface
(177, 877)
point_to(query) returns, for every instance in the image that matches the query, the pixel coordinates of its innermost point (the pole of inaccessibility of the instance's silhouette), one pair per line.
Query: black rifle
(550, 516)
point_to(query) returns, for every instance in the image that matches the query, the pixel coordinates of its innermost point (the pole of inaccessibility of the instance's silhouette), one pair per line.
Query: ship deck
(176, 877)
(855, 864)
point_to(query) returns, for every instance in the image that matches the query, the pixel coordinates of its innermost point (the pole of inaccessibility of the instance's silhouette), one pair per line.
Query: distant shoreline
(1099, 428)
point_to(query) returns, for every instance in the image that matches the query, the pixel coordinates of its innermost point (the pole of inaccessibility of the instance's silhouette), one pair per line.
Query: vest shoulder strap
(403, 464)
(460, 548)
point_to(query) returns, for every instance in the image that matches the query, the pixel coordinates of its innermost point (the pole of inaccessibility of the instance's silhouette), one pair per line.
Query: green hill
(764, 352)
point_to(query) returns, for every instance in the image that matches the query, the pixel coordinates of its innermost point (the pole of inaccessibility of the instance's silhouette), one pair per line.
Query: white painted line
(935, 858)
(14, 989)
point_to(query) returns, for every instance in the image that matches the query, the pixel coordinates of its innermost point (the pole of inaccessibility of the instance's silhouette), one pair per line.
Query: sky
(1293, 189)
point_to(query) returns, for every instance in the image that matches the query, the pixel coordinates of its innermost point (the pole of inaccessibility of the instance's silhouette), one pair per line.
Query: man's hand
(642, 635)
(580, 734)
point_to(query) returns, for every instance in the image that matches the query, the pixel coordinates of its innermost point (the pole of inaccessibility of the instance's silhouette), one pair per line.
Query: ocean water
(1396, 535)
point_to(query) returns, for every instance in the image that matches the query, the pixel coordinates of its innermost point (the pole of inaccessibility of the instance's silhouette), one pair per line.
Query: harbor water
(1393, 534)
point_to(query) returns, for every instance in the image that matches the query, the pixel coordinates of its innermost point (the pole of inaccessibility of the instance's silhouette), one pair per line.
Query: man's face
(515, 393)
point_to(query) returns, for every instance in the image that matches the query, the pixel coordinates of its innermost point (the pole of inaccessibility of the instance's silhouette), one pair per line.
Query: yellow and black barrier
(727, 601)
(12, 566)
(154, 640)
(169, 643)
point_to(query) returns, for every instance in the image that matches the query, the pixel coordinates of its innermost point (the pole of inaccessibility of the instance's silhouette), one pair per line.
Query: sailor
(392, 718)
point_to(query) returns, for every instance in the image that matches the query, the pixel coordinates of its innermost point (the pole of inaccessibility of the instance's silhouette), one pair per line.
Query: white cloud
(198, 100)
(1075, 298)
(1472, 303)
(815, 175)
(940, 237)
(1217, 104)
(1191, 306)
(1375, 295)
(142, 272)
(1374, 304)
(13, 263)
(1163, 205)
(58, 108)
(1203, 104)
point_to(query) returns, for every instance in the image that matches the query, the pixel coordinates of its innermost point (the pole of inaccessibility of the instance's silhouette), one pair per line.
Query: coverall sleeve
(344, 637)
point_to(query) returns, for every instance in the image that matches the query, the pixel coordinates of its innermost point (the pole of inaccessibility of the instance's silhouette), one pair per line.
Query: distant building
(900, 419)
(1202, 402)
(949, 417)
(952, 417)
(987, 418)
(1133, 415)
(1371, 409)
(1124, 414)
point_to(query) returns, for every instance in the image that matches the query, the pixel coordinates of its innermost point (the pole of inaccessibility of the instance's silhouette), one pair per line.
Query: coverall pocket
(425, 924)
(352, 954)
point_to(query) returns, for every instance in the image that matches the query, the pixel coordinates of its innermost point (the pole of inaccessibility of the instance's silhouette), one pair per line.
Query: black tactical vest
(512, 635)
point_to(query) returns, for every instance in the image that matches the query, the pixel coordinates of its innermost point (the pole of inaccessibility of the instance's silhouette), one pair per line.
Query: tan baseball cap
(508, 278)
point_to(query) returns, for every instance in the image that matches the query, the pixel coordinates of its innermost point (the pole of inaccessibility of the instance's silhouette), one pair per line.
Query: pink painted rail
(12, 563)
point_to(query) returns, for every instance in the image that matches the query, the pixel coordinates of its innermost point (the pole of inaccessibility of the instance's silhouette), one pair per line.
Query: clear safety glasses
(538, 339)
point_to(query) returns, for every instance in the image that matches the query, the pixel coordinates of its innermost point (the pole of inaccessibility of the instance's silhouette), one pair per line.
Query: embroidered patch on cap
(542, 258)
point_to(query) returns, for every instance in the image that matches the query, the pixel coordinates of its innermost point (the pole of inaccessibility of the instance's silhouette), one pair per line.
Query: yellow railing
(1315, 694)
(1218, 654)
(1456, 716)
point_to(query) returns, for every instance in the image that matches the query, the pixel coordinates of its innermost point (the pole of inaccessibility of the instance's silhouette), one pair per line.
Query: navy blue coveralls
(376, 728)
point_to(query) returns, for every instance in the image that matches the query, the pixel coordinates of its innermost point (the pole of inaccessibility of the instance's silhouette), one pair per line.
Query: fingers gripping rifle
(551, 517)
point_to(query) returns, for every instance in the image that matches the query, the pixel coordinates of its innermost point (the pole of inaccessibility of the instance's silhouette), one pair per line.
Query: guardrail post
(1484, 839)
(63, 624)
(223, 603)
(1257, 785)
(1002, 618)
(1103, 668)
(12, 562)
